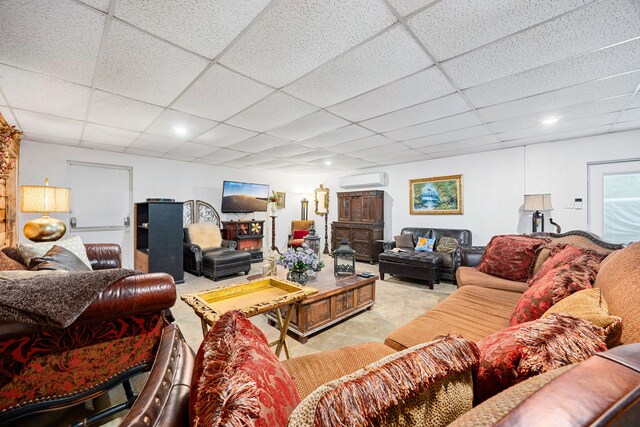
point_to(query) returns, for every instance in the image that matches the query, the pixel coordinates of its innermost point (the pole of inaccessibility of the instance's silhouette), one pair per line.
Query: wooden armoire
(361, 221)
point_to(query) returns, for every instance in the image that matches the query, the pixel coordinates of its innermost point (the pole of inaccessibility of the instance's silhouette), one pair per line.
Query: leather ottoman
(225, 262)
(409, 263)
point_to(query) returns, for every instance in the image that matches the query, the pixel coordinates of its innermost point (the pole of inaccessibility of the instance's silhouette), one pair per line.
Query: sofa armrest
(387, 246)
(470, 255)
(132, 295)
(230, 244)
(104, 255)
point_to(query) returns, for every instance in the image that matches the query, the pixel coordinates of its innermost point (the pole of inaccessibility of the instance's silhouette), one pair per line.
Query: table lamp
(44, 199)
(537, 203)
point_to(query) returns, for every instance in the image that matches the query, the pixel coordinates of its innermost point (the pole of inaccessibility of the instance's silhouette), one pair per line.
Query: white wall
(154, 177)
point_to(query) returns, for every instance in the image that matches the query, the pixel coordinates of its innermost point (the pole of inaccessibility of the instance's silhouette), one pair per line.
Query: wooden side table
(255, 297)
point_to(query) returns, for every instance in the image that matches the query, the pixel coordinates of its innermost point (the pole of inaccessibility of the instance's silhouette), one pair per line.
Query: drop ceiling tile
(446, 124)
(48, 139)
(404, 155)
(220, 93)
(2, 100)
(108, 135)
(431, 110)
(626, 126)
(140, 66)
(207, 162)
(338, 136)
(178, 125)
(412, 90)
(48, 125)
(115, 110)
(192, 149)
(286, 151)
(102, 5)
(292, 38)
(224, 135)
(361, 144)
(378, 151)
(560, 136)
(585, 92)
(568, 35)
(450, 28)
(103, 147)
(259, 143)
(572, 112)
(635, 102)
(279, 164)
(251, 159)
(275, 110)
(200, 26)
(457, 145)
(406, 7)
(144, 153)
(469, 150)
(455, 135)
(8, 115)
(59, 38)
(630, 115)
(42, 94)
(224, 155)
(559, 127)
(595, 65)
(149, 142)
(308, 126)
(310, 156)
(388, 57)
(177, 157)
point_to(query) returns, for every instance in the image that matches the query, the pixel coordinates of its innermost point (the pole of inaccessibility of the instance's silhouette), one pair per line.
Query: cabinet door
(356, 209)
(368, 209)
(344, 208)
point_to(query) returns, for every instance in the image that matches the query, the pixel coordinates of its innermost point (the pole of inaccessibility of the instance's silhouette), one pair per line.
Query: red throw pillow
(557, 284)
(299, 234)
(238, 380)
(518, 352)
(562, 254)
(510, 257)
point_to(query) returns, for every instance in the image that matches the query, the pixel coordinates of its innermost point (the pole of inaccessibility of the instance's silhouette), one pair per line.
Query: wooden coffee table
(338, 297)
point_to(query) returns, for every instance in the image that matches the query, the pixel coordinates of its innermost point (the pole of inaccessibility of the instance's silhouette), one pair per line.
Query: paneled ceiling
(306, 86)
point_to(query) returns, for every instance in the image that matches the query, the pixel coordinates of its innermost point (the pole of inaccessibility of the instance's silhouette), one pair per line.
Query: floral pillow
(555, 285)
(510, 257)
(238, 380)
(518, 352)
(562, 254)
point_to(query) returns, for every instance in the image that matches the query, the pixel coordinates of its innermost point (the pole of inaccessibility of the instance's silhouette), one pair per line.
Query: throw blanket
(54, 299)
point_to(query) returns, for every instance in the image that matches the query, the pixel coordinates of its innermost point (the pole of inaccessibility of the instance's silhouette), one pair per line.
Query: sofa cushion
(557, 284)
(404, 241)
(510, 257)
(447, 245)
(561, 254)
(299, 234)
(447, 259)
(513, 354)
(238, 380)
(207, 235)
(7, 263)
(472, 312)
(311, 371)
(74, 244)
(589, 305)
(470, 276)
(58, 258)
(619, 281)
(430, 384)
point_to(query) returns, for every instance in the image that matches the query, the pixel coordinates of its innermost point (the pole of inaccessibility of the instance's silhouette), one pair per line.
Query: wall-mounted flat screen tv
(244, 197)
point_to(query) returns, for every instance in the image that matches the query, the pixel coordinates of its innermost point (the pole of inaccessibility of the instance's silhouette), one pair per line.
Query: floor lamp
(536, 203)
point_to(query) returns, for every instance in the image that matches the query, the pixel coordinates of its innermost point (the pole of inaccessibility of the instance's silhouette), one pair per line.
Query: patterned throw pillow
(562, 254)
(447, 244)
(425, 245)
(589, 305)
(518, 352)
(429, 384)
(238, 380)
(404, 241)
(556, 285)
(7, 263)
(510, 257)
(32, 250)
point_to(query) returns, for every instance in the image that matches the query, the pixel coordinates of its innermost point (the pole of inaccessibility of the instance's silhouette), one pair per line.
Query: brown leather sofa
(427, 266)
(132, 311)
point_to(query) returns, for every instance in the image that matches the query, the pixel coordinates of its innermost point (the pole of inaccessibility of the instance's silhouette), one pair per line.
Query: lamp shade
(44, 199)
(537, 202)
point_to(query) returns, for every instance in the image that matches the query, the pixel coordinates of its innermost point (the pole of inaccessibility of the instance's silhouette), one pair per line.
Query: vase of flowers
(273, 201)
(298, 261)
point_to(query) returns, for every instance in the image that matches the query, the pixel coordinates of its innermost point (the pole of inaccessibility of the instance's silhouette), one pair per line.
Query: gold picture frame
(281, 203)
(439, 195)
(321, 197)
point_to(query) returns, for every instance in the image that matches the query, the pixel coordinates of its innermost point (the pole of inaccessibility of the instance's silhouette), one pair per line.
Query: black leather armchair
(214, 263)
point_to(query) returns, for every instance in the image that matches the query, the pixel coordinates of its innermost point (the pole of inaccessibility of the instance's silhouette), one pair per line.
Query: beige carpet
(397, 302)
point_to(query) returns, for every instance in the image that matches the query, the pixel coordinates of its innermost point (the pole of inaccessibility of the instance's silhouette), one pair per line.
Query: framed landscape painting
(440, 195)
(281, 203)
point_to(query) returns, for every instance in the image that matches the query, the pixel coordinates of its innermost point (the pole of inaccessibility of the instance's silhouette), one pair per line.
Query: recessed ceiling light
(550, 120)
(327, 162)
(179, 130)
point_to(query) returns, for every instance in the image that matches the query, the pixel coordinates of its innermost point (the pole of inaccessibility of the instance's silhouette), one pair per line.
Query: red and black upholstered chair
(299, 229)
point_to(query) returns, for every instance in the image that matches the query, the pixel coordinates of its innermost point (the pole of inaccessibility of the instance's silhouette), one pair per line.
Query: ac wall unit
(375, 179)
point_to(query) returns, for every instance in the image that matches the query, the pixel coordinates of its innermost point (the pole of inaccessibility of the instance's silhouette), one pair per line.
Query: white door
(614, 200)
(101, 203)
